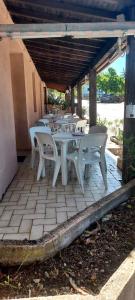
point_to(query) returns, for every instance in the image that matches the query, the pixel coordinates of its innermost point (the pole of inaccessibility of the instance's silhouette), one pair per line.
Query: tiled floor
(31, 209)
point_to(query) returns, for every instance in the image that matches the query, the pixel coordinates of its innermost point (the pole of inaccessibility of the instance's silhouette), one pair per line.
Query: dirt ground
(83, 267)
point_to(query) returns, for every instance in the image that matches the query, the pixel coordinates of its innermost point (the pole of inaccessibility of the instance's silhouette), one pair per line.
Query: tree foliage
(111, 83)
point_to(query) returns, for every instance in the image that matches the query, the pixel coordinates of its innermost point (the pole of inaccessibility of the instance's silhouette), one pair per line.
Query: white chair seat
(47, 151)
(88, 158)
(34, 145)
(91, 151)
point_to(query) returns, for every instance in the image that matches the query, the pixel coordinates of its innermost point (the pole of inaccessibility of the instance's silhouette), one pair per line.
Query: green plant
(57, 98)
(129, 144)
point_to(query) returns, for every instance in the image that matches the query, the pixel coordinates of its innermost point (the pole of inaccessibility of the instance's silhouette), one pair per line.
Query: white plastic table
(64, 138)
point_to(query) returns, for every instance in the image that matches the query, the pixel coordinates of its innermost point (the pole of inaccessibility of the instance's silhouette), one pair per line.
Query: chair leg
(104, 174)
(105, 164)
(56, 171)
(80, 174)
(33, 156)
(40, 168)
(43, 169)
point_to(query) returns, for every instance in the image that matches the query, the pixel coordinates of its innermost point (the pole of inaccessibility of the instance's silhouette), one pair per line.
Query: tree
(111, 83)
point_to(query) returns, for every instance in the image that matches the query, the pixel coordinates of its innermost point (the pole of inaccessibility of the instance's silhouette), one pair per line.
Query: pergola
(87, 36)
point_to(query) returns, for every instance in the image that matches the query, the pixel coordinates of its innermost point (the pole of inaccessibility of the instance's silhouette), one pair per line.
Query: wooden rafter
(77, 10)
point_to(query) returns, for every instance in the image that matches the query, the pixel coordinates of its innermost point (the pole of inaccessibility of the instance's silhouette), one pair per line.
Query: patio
(31, 209)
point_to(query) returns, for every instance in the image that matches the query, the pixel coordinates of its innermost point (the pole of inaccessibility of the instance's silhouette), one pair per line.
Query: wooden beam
(129, 122)
(60, 61)
(54, 49)
(59, 55)
(37, 15)
(56, 65)
(102, 55)
(74, 9)
(92, 98)
(78, 30)
(79, 98)
(72, 100)
(70, 47)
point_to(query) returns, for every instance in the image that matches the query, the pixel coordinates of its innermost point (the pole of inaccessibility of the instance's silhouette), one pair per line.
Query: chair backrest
(45, 140)
(93, 141)
(81, 124)
(44, 121)
(98, 129)
(35, 129)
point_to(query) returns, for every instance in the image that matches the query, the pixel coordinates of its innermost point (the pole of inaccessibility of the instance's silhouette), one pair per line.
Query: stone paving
(31, 209)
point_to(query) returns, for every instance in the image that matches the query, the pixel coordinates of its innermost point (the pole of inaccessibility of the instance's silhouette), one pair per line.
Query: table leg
(64, 163)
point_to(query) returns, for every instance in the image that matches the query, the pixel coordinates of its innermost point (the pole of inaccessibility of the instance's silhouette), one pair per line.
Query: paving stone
(8, 229)
(4, 223)
(70, 208)
(1, 210)
(27, 187)
(34, 216)
(7, 195)
(23, 211)
(48, 228)
(44, 221)
(36, 232)
(80, 206)
(6, 215)
(31, 204)
(43, 192)
(50, 213)
(25, 226)
(15, 220)
(60, 204)
(61, 198)
(17, 236)
(71, 214)
(51, 195)
(71, 202)
(40, 208)
(16, 207)
(35, 189)
(61, 217)
(14, 197)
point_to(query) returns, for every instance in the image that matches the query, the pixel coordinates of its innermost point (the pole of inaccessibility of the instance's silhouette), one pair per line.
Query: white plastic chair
(98, 129)
(81, 124)
(44, 121)
(86, 156)
(47, 153)
(34, 145)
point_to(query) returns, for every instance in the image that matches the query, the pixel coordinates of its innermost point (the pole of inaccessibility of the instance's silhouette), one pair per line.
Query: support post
(45, 108)
(72, 100)
(79, 98)
(128, 171)
(92, 98)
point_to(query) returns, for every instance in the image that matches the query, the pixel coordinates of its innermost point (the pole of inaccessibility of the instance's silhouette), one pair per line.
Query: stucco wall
(27, 67)
(14, 100)
(8, 164)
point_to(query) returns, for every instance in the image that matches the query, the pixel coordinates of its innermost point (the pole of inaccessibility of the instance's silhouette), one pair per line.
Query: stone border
(25, 252)
(120, 286)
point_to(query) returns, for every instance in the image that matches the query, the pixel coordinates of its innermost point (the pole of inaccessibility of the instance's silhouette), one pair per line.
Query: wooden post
(45, 108)
(72, 100)
(129, 122)
(79, 98)
(92, 98)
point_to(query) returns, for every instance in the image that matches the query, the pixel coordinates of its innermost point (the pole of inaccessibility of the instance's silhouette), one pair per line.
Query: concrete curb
(15, 253)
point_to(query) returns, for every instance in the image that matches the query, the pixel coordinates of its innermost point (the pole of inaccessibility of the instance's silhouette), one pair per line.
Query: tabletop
(67, 136)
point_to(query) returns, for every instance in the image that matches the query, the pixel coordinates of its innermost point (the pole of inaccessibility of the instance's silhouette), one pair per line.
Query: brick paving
(30, 209)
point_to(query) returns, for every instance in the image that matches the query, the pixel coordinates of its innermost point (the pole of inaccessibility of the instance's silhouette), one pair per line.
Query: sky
(118, 65)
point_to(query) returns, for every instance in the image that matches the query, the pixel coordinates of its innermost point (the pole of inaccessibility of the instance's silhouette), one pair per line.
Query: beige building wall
(17, 111)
